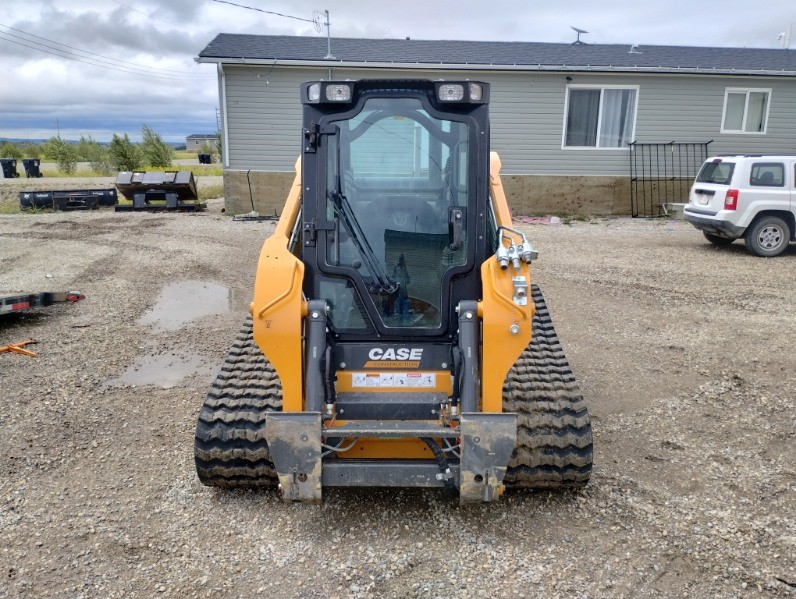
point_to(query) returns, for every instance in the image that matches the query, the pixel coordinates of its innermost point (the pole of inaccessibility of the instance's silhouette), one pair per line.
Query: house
(194, 142)
(563, 116)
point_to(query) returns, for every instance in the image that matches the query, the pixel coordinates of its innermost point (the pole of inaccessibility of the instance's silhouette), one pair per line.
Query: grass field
(199, 170)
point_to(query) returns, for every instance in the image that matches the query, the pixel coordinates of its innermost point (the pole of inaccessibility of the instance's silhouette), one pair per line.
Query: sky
(132, 62)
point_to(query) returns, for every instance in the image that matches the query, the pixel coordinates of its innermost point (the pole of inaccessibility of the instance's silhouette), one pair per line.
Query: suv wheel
(768, 236)
(717, 240)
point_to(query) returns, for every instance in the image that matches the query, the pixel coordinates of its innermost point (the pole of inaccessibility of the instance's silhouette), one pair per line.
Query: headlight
(338, 92)
(321, 92)
(463, 92)
(314, 92)
(450, 92)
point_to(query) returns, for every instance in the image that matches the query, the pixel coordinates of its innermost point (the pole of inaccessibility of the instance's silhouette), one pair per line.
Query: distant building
(195, 141)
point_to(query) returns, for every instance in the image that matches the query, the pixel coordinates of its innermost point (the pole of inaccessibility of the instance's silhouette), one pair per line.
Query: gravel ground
(684, 351)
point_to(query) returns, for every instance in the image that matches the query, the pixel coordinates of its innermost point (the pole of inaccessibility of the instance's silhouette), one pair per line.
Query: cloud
(178, 97)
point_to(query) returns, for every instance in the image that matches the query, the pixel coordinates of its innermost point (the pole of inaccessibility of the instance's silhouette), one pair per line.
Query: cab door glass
(394, 173)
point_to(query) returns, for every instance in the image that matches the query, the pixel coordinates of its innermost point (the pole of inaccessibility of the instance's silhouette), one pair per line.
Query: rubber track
(229, 447)
(554, 438)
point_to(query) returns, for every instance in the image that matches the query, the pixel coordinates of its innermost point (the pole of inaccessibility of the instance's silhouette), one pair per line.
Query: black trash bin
(31, 167)
(205, 159)
(9, 167)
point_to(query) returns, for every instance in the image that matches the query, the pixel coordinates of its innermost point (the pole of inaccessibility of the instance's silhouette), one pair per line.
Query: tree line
(120, 155)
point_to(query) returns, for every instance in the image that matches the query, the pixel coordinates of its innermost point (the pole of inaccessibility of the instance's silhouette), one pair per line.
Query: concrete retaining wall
(526, 194)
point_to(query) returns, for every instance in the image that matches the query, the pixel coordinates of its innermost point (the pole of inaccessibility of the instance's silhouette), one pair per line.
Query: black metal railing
(662, 173)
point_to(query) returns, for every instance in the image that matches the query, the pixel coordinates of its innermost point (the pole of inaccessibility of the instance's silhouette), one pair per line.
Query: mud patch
(165, 371)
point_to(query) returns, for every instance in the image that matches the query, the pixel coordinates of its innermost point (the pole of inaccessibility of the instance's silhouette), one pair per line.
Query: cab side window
(768, 174)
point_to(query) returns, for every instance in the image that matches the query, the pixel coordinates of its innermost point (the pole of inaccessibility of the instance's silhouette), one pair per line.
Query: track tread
(554, 437)
(229, 445)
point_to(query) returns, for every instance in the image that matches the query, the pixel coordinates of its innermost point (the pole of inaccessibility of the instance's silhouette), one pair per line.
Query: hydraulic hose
(456, 370)
(328, 385)
(442, 461)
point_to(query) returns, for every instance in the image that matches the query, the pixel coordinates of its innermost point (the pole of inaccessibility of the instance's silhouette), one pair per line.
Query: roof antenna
(784, 38)
(579, 31)
(316, 18)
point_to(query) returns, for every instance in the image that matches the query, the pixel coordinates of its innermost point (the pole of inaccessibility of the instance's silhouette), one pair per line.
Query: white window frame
(602, 88)
(747, 91)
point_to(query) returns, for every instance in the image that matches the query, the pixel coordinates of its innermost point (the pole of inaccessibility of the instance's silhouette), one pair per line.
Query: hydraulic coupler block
(520, 290)
(503, 256)
(523, 251)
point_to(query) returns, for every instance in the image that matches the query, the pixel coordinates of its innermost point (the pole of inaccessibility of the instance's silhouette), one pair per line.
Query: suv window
(768, 174)
(716, 172)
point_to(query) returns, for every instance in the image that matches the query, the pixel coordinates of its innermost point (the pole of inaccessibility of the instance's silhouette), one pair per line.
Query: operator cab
(394, 190)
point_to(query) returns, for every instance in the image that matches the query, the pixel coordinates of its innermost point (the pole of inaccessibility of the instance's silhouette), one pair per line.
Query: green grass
(7, 208)
(10, 208)
(568, 219)
(81, 172)
(211, 191)
(199, 170)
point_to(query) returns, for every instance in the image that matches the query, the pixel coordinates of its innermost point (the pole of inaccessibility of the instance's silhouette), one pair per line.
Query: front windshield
(396, 178)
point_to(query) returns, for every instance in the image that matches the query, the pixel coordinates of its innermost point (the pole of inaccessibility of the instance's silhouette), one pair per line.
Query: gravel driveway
(684, 351)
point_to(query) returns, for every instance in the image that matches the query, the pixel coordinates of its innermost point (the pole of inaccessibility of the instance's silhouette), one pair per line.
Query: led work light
(329, 92)
(466, 92)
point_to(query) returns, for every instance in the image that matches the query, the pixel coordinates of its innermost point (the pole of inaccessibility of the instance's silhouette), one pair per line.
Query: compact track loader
(395, 337)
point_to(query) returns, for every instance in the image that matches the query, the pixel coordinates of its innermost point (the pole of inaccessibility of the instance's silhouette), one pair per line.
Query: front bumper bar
(486, 444)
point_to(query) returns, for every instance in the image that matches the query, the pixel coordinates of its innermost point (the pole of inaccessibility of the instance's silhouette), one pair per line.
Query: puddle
(178, 304)
(165, 371)
(184, 301)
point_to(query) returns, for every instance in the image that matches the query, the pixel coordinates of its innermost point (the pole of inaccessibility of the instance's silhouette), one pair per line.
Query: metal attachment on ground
(65, 200)
(254, 216)
(17, 348)
(170, 190)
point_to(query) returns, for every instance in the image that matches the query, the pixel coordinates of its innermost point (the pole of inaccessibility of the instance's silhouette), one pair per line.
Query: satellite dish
(578, 31)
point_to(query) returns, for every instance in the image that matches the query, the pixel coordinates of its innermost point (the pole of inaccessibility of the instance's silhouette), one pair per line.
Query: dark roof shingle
(227, 47)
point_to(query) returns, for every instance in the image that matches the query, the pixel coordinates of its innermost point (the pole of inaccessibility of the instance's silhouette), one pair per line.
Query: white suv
(751, 196)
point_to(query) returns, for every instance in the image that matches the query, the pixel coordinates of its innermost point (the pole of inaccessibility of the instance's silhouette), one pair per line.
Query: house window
(600, 117)
(745, 110)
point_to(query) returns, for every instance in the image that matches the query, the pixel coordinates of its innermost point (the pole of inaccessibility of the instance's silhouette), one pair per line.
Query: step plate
(388, 406)
(382, 473)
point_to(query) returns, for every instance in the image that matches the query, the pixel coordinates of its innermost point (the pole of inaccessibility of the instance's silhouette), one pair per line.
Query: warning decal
(394, 379)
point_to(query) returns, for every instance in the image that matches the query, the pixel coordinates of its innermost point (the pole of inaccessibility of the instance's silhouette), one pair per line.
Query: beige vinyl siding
(527, 116)
(264, 117)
